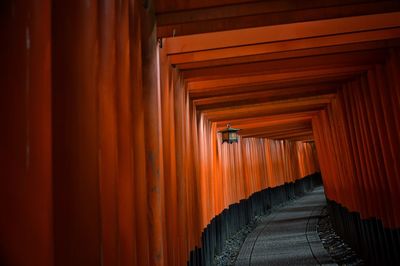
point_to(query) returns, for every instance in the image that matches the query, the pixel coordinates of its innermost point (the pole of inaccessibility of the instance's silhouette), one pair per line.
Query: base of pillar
(372, 242)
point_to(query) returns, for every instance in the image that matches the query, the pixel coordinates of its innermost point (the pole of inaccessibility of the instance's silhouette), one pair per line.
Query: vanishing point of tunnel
(188, 132)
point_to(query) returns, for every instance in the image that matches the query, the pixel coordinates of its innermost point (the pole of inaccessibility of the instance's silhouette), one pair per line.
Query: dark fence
(374, 243)
(224, 225)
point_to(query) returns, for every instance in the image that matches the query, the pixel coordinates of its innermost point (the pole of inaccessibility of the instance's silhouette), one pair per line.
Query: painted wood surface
(109, 146)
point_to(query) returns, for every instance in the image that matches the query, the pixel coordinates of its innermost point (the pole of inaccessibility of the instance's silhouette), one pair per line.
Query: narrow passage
(288, 236)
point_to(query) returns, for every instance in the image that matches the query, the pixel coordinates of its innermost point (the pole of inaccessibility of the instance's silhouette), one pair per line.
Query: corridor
(149, 132)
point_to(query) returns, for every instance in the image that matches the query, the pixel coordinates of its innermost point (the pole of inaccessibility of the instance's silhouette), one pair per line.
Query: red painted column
(126, 214)
(181, 126)
(364, 140)
(169, 81)
(142, 237)
(26, 227)
(77, 220)
(153, 137)
(107, 132)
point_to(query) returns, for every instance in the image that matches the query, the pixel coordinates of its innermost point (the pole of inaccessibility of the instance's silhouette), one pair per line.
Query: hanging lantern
(229, 134)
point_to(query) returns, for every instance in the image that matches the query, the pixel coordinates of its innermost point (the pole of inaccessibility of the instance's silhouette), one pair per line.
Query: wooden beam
(287, 65)
(251, 128)
(246, 9)
(301, 133)
(281, 77)
(260, 14)
(262, 96)
(291, 135)
(334, 80)
(300, 30)
(335, 49)
(269, 120)
(276, 130)
(284, 46)
(311, 103)
(163, 6)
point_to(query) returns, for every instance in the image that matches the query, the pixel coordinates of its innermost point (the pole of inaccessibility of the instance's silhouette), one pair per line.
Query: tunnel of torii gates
(109, 114)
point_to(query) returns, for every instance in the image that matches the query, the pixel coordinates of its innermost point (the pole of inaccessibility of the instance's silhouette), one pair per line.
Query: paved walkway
(288, 236)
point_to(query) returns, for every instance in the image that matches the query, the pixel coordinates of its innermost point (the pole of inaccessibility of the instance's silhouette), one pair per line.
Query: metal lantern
(229, 134)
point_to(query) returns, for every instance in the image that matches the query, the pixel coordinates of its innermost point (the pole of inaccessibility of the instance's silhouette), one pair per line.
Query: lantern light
(229, 134)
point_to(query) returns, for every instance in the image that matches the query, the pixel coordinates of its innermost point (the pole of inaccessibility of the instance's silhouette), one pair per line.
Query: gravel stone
(232, 245)
(340, 252)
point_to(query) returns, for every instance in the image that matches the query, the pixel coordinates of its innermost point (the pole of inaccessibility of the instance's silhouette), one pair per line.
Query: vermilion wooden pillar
(182, 127)
(77, 216)
(107, 132)
(126, 213)
(138, 153)
(26, 226)
(153, 136)
(358, 143)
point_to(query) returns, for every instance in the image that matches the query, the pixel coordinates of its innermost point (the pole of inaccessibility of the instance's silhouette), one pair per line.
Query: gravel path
(232, 245)
(288, 236)
(340, 252)
(298, 232)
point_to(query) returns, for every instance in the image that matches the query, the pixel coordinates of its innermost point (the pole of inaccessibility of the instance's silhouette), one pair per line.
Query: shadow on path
(288, 236)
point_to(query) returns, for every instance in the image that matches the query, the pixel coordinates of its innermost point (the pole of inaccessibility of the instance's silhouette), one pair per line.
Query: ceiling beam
(311, 103)
(300, 30)
(263, 96)
(284, 46)
(287, 65)
(309, 81)
(302, 134)
(257, 14)
(269, 120)
(278, 77)
(335, 49)
(276, 130)
(163, 6)
(291, 135)
(244, 9)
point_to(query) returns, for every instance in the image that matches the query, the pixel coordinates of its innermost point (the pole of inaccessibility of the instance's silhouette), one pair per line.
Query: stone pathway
(288, 236)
